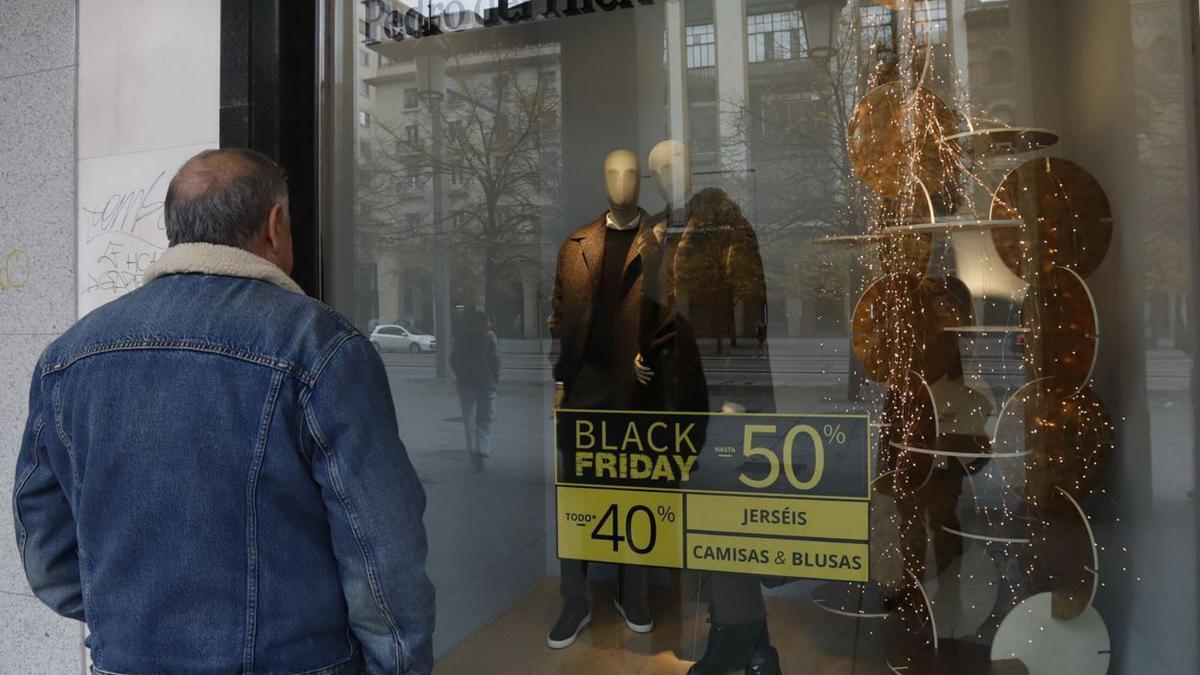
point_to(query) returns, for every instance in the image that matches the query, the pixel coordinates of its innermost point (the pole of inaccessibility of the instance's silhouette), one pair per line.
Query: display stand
(1049, 226)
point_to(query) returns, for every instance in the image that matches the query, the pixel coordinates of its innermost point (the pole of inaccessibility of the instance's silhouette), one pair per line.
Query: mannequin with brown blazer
(597, 304)
(577, 280)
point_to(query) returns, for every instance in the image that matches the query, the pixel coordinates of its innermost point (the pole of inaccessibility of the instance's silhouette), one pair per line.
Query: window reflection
(478, 158)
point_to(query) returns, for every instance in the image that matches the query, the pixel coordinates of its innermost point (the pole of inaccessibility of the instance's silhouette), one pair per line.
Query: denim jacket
(212, 478)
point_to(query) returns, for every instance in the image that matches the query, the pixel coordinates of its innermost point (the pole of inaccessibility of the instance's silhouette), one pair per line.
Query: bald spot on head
(223, 197)
(209, 172)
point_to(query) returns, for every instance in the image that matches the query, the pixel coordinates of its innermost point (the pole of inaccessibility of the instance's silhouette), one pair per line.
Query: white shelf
(986, 330)
(966, 455)
(949, 226)
(1006, 141)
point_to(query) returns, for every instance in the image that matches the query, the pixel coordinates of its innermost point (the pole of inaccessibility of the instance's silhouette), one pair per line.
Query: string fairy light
(1051, 225)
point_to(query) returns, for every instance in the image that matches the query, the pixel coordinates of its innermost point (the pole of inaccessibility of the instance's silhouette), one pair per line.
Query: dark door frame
(270, 52)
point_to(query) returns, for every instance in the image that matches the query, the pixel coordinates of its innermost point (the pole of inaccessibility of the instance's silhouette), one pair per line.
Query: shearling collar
(225, 261)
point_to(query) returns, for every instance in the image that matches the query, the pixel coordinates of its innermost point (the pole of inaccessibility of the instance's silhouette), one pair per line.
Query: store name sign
(393, 21)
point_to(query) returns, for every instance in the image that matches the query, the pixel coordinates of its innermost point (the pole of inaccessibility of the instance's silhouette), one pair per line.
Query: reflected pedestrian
(475, 360)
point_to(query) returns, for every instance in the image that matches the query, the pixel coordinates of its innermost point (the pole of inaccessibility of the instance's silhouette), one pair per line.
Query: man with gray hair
(211, 475)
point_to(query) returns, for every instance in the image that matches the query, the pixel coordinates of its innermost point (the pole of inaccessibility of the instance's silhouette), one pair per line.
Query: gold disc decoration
(1069, 441)
(882, 332)
(1064, 331)
(940, 310)
(1067, 561)
(894, 139)
(899, 325)
(1068, 220)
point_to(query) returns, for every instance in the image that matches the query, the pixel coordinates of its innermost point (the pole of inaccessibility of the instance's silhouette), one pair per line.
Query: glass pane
(866, 250)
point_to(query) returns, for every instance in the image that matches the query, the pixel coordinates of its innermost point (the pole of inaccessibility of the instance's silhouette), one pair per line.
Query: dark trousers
(631, 582)
(733, 598)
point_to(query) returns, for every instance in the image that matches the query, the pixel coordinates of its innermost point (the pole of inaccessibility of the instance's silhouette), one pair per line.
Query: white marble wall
(149, 98)
(38, 67)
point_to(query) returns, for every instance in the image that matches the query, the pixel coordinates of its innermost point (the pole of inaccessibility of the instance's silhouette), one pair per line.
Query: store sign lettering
(389, 20)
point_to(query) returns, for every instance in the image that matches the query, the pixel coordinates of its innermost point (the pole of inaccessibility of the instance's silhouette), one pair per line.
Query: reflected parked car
(393, 338)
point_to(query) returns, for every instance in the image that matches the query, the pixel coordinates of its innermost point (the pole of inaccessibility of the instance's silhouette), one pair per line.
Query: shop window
(703, 123)
(701, 42)
(876, 26)
(798, 203)
(930, 17)
(777, 36)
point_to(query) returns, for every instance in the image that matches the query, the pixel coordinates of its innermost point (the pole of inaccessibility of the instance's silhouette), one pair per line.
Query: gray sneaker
(573, 619)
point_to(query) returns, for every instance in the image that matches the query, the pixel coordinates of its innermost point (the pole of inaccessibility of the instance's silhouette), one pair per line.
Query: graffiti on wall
(123, 235)
(15, 267)
(121, 231)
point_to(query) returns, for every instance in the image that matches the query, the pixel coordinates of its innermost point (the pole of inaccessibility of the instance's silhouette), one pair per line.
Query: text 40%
(609, 528)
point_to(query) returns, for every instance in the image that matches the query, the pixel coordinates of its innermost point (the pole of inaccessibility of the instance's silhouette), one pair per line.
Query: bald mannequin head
(232, 198)
(671, 167)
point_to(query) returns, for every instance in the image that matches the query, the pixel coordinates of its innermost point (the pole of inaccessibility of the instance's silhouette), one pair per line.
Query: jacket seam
(38, 425)
(368, 560)
(89, 613)
(252, 523)
(334, 347)
(330, 351)
(56, 400)
(185, 345)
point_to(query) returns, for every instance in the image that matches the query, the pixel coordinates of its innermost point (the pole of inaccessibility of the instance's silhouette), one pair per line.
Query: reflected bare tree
(499, 159)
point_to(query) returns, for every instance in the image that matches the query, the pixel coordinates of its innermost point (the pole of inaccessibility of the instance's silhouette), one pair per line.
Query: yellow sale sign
(782, 495)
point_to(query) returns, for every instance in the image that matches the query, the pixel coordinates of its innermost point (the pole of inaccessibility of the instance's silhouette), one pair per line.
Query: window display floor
(807, 638)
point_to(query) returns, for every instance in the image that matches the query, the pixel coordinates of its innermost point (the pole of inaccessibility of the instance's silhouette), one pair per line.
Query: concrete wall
(38, 68)
(126, 88)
